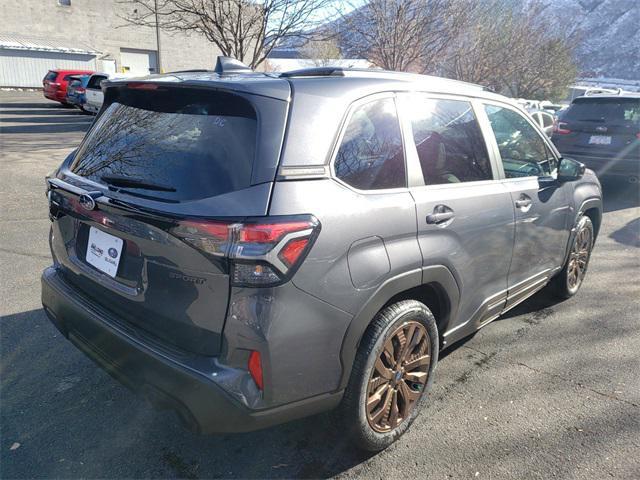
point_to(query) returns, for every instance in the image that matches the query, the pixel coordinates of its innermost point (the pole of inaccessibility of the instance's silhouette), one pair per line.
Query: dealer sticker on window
(103, 251)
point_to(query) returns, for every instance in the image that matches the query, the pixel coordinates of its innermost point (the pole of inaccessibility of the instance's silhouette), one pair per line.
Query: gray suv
(247, 248)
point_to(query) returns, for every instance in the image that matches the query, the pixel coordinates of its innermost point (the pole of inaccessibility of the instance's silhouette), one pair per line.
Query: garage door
(138, 62)
(26, 68)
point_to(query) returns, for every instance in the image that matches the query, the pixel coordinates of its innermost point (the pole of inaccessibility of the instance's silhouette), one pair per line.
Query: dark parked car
(603, 132)
(55, 83)
(76, 90)
(251, 248)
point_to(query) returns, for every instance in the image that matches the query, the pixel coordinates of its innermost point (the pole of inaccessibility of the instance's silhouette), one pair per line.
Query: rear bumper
(57, 95)
(605, 167)
(90, 107)
(75, 99)
(201, 393)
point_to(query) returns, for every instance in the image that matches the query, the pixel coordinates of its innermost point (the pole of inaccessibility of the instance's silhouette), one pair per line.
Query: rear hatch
(160, 157)
(604, 127)
(50, 83)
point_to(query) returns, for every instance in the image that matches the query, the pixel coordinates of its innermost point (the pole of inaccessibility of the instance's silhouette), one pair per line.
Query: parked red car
(55, 83)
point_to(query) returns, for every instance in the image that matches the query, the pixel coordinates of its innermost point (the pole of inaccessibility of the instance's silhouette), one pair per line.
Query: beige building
(38, 35)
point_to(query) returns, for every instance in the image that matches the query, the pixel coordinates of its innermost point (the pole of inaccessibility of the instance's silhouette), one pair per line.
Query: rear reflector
(255, 368)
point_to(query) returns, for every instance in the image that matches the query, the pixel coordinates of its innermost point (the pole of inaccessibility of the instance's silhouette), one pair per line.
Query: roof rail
(193, 70)
(371, 72)
(226, 65)
(315, 72)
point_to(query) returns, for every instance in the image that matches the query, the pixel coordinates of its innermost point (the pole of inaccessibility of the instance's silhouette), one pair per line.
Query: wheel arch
(593, 209)
(435, 286)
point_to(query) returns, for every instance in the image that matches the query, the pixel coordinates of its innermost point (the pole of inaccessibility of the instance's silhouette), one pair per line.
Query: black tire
(565, 285)
(352, 415)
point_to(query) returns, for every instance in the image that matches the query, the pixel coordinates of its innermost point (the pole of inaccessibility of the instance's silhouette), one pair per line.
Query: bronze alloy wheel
(398, 377)
(578, 258)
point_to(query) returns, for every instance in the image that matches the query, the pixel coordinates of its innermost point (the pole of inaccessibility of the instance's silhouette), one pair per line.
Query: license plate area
(600, 140)
(104, 251)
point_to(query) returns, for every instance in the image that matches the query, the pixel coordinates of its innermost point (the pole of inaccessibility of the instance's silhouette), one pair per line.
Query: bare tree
(244, 29)
(512, 49)
(323, 52)
(402, 35)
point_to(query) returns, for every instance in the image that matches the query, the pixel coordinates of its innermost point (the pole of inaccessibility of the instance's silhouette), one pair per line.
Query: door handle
(523, 202)
(439, 217)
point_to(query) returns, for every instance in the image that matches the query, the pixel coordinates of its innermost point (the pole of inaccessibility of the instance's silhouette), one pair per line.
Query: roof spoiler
(225, 65)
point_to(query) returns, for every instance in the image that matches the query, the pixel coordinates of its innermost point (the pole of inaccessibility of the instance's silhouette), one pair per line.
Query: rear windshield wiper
(118, 181)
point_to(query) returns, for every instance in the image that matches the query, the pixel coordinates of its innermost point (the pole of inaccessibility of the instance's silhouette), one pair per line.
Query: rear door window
(94, 81)
(448, 139)
(522, 150)
(183, 146)
(371, 155)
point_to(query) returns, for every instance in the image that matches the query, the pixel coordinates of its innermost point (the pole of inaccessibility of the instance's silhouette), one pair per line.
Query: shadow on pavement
(629, 234)
(61, 127)
(619, 194)
(42, 111)
(44, 104)
(96, 421)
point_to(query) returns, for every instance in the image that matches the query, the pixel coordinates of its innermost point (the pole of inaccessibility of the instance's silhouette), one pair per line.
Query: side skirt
(497, 305)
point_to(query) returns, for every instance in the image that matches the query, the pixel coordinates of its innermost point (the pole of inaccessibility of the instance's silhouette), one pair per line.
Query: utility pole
(158, 38)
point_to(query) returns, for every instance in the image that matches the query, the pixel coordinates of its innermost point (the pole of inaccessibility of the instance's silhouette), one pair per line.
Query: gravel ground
(549, 390)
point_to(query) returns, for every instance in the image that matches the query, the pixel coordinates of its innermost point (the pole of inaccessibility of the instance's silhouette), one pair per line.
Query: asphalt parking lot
(550, 390)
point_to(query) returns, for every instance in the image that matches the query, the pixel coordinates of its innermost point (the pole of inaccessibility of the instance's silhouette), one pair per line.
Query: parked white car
(94, 90)
(544, 119)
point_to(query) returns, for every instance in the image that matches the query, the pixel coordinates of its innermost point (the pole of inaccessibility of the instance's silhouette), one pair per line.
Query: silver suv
(250, 248)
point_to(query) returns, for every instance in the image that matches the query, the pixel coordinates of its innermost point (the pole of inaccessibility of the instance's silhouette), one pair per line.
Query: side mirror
(570, 170)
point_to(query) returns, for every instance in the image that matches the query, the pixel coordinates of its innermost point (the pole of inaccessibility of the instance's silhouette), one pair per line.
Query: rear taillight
(561, 128)
(80, 90)
(262, 252)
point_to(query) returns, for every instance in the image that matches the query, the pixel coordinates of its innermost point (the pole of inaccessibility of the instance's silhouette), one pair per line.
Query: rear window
(94, 81)
(605, 110)
(51, 76)
(191, 144)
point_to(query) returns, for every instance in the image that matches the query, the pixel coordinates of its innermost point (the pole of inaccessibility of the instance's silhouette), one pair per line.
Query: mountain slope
(608, 34)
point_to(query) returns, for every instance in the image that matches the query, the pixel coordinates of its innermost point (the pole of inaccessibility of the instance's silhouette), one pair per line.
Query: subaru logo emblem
(87, 202)
(601, 129)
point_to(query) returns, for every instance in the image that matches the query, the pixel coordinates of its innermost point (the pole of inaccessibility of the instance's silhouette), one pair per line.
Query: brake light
(255, 368)
(561, 128)
(80, 90)
(142, 86)
(261, 253)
